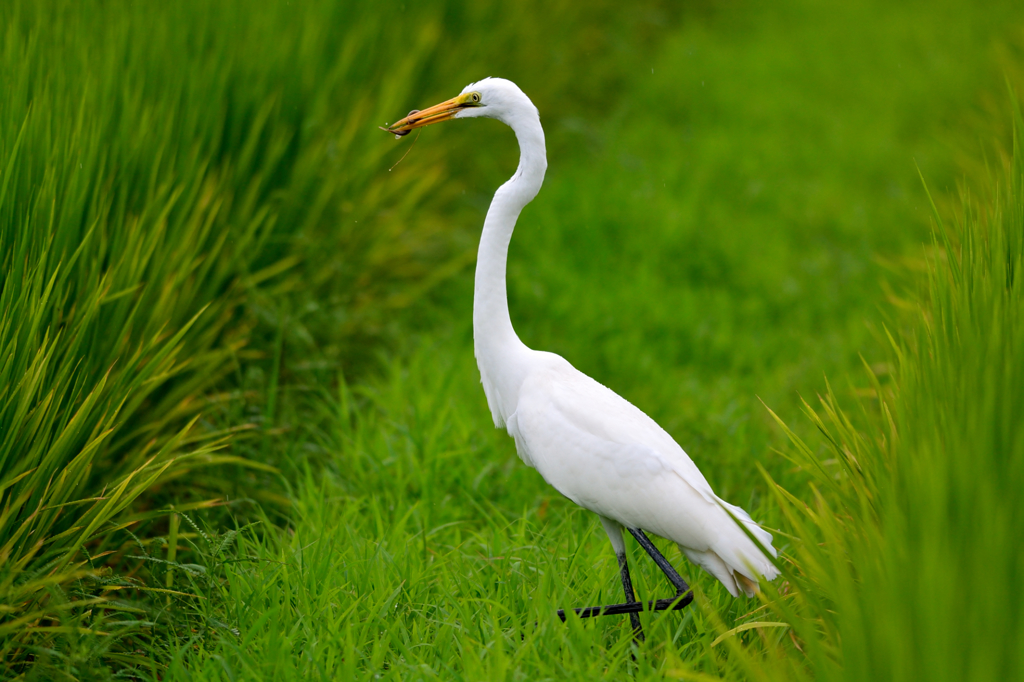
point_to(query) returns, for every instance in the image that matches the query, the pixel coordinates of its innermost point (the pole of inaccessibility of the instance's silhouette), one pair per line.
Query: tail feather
(763, 536)
(736, 561)
(713, 564)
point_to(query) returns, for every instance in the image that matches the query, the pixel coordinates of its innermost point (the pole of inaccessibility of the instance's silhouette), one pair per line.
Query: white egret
(592, 445)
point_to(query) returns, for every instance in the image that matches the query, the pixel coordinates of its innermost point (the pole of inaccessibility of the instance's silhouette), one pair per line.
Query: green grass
(730, 191)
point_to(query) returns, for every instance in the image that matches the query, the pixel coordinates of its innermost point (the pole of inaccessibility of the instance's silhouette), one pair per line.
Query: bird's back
(605, 454)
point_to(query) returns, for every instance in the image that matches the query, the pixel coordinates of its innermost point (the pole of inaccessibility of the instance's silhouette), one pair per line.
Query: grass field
(241, 429)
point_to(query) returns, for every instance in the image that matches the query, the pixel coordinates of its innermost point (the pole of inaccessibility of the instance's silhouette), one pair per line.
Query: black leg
(666, 568)
(681, 600)
(627, 587)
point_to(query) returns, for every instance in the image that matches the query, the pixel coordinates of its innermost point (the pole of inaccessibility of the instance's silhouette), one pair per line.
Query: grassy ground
(729, 190)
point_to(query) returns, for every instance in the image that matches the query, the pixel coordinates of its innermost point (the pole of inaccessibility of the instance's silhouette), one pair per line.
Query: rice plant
(906, 559)
(144, 175)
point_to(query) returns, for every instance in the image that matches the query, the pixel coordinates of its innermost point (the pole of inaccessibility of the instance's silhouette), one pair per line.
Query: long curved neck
(500, 355)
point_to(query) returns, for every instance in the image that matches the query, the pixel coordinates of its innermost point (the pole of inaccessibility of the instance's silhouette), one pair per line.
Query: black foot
(676, 603)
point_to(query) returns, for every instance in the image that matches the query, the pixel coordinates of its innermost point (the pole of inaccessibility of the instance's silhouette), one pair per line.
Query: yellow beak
(444, 111)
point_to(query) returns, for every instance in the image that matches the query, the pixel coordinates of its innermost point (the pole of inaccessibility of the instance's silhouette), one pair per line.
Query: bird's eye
(475, 97)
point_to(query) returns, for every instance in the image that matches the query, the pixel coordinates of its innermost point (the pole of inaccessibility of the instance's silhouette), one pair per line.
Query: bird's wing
(606, 455)
(564, 394)
(512, 426)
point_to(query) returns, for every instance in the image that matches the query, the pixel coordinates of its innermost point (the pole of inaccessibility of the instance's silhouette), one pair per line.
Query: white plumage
(592, 445)
(604, 454)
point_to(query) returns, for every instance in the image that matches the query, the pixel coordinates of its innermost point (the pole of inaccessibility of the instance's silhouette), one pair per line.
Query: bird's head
(492, 98)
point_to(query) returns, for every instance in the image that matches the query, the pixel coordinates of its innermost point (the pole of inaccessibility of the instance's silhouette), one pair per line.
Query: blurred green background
(241, 429)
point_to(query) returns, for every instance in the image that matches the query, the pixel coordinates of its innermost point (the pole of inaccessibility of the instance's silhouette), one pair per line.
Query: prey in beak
(445, 111)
